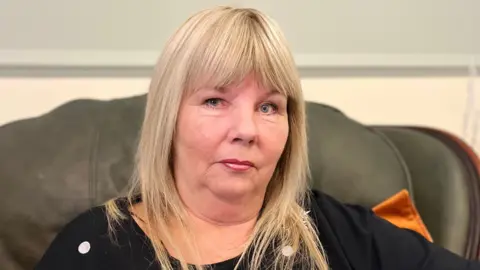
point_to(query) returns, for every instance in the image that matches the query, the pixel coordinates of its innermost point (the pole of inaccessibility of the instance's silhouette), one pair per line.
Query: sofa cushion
(400, 211)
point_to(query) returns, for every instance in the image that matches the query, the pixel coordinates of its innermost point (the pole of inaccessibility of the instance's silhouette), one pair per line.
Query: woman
(221, 171)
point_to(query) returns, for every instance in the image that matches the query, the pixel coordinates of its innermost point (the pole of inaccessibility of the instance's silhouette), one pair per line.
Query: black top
(353, 237)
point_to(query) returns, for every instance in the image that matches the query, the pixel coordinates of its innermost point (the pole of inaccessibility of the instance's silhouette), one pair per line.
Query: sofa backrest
(79, 155)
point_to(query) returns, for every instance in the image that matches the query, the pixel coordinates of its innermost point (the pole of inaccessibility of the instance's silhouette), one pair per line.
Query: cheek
(198, 135)
(275, 138)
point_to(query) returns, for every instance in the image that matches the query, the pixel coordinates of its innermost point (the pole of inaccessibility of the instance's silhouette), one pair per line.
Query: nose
(244, 128)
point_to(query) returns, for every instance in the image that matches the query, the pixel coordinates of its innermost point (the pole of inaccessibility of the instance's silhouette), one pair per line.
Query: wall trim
(140, 63)
(108, 58)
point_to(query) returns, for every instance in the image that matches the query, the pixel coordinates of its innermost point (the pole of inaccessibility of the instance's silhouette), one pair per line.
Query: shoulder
(356, 236)
(82, 243)
(368, 242)
(343, 216)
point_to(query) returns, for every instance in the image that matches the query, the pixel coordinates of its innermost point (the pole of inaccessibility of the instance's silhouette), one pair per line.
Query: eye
(268, 108)
(213, 102)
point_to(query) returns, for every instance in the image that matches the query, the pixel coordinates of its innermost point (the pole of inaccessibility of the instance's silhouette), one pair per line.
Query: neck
(221, 210)
(227, 235)
(221, 225)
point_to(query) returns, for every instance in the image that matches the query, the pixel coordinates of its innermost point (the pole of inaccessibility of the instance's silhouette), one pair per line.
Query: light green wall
(322, 33)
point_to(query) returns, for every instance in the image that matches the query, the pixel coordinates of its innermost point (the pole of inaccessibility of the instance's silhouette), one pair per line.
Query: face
(228, 141)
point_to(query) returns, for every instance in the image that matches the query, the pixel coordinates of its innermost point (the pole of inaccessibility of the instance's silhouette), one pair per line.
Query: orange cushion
(400, 211)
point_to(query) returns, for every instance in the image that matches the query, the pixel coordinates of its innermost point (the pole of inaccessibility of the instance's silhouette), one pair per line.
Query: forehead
(249, 82)
(234, 84)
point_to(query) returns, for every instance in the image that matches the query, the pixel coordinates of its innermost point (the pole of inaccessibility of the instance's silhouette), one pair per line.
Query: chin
(233, 190)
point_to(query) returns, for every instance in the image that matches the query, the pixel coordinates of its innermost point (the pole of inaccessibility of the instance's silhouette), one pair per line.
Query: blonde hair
(218, 47)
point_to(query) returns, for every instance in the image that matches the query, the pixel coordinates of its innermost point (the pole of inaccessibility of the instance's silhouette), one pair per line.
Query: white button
(287, 251)
(84, 247)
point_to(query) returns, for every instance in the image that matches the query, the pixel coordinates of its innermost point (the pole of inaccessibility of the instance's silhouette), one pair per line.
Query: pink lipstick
(237, 165)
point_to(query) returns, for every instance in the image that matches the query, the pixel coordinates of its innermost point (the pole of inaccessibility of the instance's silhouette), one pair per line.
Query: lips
(237, 165)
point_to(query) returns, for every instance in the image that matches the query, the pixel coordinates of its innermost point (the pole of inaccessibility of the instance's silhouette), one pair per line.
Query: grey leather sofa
(79, 155)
